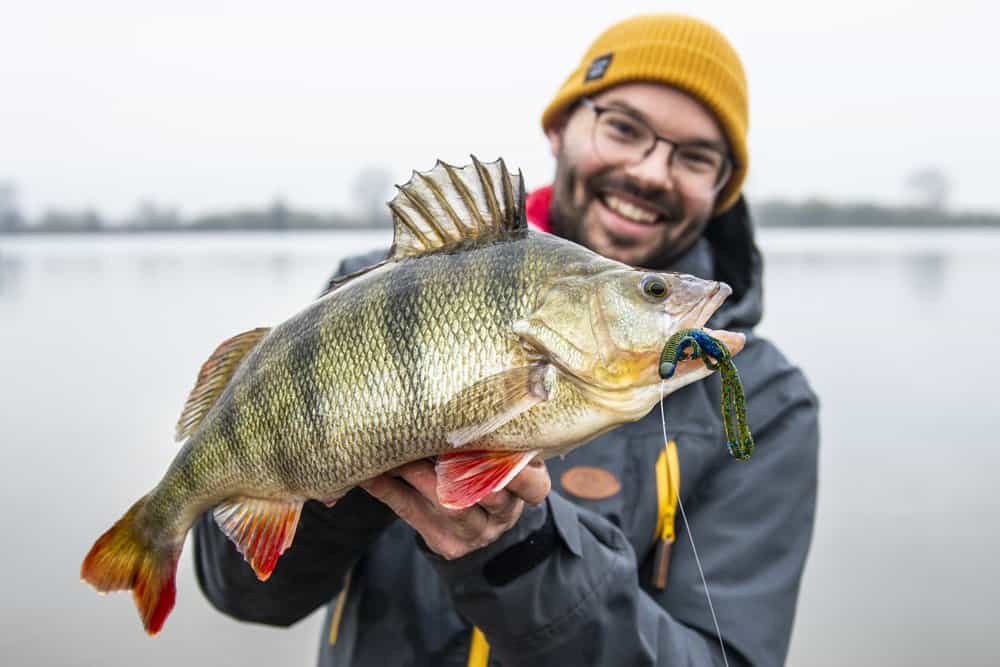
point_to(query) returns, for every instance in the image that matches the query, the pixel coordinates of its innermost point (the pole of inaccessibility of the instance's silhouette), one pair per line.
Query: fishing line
(687, 528)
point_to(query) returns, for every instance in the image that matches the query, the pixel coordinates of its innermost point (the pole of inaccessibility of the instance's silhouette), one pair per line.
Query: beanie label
(598, 68)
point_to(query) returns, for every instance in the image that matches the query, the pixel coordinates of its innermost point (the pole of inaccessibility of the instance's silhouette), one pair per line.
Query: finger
(502, 507)
(532, 484)
(497, 501)
(421, 476)
(405, 501)
(449, 535)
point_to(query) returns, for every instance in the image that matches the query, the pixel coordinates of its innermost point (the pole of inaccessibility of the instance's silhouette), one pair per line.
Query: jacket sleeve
(328, 541)
(582, 603)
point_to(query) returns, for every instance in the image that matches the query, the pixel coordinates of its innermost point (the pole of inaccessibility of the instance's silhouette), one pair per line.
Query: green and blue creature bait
(697, 344)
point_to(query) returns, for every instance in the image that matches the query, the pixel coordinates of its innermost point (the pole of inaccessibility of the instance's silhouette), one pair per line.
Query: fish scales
(475, 333)
(383, 363)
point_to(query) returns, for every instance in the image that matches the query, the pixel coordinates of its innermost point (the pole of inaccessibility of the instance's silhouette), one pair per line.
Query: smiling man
(639, 168)
(578, 561)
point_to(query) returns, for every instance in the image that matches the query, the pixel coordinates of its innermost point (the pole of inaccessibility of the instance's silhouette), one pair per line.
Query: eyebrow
(625, 107)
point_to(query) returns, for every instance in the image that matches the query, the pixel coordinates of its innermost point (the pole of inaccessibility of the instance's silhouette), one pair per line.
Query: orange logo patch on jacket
(590, 482)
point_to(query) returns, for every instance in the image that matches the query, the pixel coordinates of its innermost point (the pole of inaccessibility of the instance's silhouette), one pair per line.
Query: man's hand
(455, 533)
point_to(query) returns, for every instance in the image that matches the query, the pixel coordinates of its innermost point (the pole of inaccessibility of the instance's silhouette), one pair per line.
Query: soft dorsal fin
(449, 205)
(213, 378)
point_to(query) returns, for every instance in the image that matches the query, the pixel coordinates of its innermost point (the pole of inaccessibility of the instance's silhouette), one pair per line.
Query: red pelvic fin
(261, 529)
(465, 477)
(121, 560)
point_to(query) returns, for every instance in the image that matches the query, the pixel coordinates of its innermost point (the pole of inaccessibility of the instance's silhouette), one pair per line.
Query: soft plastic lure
(695, 344)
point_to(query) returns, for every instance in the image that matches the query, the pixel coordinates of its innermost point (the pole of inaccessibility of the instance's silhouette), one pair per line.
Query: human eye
(623, 128)
(698, 159)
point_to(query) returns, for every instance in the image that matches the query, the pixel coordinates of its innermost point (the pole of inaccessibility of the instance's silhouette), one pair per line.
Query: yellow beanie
(677, 50)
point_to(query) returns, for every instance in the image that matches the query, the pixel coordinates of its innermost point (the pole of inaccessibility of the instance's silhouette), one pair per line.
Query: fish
(477, 342)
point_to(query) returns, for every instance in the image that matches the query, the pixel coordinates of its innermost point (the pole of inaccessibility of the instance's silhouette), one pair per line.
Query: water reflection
(926, 275)
(152, 267)
(68, 266)
(11, 273)
(280, 265)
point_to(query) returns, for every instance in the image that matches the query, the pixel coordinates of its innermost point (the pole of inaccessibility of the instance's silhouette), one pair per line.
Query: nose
(653, 171)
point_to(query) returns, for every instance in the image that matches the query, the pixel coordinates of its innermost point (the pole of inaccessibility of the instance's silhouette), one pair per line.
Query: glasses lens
(724, 173)
(623, 139)
(620, 138)
(700, 166)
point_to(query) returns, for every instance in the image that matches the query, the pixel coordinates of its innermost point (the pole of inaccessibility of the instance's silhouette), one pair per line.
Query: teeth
(630, 211)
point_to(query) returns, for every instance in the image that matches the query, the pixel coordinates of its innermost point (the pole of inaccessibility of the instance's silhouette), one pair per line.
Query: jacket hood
(736, 260)
(727, 251)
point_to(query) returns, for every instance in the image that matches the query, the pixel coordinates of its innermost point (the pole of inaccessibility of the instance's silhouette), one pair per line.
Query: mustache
(665, 203)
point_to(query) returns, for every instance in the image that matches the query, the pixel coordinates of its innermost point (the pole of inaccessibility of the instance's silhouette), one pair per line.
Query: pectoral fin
(502, 396)
(261, 529)
(466, 477)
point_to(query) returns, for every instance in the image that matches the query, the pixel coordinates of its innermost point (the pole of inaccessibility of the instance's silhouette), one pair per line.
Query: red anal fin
(261, 529)
(465, 477)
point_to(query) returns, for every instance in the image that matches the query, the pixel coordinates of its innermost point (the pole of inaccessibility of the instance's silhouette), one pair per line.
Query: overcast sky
(212, 105)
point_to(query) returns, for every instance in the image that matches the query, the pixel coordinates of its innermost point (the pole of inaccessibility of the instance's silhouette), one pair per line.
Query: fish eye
(654, 287)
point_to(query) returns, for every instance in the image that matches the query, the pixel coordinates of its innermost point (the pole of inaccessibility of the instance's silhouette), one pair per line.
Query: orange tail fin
(122, 559)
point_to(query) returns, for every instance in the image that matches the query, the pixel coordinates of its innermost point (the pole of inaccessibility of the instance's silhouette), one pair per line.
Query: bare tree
(10, 213)
(930, 187)
(371, 190)
(150, 215)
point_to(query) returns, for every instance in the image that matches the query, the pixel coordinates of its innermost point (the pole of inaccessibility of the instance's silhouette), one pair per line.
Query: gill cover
(608, 327)
(561, 327)
(600, 328)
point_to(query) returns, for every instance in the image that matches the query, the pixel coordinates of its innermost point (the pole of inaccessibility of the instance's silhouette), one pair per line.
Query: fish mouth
(702, 311)
(698, 316)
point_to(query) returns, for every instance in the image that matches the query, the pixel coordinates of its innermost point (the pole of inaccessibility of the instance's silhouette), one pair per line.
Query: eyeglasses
(621, 138)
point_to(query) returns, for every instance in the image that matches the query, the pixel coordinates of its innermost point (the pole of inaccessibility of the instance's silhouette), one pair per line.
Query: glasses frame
(725, 171)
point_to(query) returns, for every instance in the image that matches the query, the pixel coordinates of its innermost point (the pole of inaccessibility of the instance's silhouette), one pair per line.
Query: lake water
(101, 338)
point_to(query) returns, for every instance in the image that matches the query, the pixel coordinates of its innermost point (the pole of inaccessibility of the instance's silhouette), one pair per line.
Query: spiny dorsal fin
(261, 529)
(448, 205)
(213, 378)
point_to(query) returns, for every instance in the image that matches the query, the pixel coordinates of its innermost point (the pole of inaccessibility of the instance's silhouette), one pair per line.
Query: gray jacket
(571, 582)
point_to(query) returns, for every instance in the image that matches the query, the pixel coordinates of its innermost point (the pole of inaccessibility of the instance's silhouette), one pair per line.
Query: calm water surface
(100, 340)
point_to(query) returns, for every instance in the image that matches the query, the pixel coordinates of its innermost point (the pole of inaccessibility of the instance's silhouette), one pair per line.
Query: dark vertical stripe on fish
(228, 422)
(260, 395)
(303, 357)
(401, 315)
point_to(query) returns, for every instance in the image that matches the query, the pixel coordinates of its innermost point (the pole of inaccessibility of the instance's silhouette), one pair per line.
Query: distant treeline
(280, 217)
(276, 217)
(818, 213)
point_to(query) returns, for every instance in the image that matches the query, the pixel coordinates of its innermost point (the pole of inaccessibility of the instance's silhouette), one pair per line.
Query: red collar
(536, 208)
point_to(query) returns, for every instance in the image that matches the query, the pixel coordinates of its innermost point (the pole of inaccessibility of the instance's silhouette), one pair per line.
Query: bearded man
(578, 561)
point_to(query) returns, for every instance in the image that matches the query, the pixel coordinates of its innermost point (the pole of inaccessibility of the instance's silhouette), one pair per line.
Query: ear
(554, 134)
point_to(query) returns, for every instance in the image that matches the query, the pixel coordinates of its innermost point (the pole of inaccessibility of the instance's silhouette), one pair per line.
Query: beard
(568, 216)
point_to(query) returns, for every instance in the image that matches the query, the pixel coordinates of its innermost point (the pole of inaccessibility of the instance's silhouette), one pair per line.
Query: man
(649, 135)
